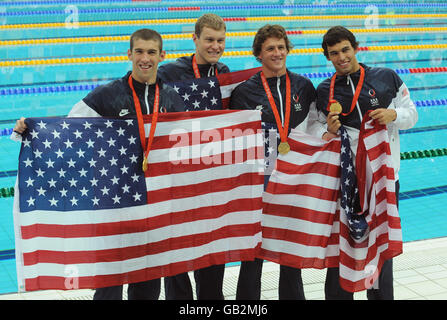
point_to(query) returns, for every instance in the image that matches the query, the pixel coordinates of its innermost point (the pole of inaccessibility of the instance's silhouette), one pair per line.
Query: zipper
(278, 83)
(349, 81)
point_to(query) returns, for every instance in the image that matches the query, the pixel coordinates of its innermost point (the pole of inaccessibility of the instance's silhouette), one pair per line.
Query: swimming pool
(48, 62)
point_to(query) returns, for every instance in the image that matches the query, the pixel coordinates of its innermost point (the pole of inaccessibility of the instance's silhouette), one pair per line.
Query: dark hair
(335, 35)
(269, 31)
(146, 34)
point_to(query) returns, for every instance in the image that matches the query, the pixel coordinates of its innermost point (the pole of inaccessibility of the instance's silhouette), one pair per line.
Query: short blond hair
(209, 20)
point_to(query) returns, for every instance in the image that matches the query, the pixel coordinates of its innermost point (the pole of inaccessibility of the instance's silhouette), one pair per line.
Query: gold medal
(144, 164)
(335, 107)
(284, 148)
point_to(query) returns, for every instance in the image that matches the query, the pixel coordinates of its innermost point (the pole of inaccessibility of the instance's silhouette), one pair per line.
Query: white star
(92, 163)
(80, 153)
(95, 201)
(133, 158)
(113, 161)
(68, 143)
(196, 104)
(30, 201)
(71, 163)
(37, 154)
(60, 154)
(40, 172)
(349, 168)
(132, 140)
(52, 183)
(105, 191)
(116, 199)
(99, 133)
(122, 151)
(65, 125)
(213, 101)
(176, 88)
(204, 94)
(29, 182)
(47, 144)
(50, 163)
(109, 124)
(211, 83)
(83, 172)
(61, 173)
(186, 97)
(135, 177)
(102, 153)
(103, 172)
(125, 188)
(56, 134)
(34, 134)
(73, 182)
(94, 182)
(90, 143)
(63, 192)
(84, 191)
(42, 125)
(121, 131)
(78, 134)
(87, 125)
(129, 122)
(193, 87)
(115, 180)
(111, 142)
(28, 162)
(74, 201)
(137, 196)
(53, 202)
(41, 191)
(124, 169)
(26, 143)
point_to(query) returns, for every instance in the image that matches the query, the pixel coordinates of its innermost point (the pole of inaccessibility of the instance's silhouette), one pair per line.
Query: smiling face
(145, 57)
(343, 57)
(273, 57)
(210, 45)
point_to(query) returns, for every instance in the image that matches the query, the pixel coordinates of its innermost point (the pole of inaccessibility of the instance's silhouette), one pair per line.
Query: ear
(129, 54)
(162, 55)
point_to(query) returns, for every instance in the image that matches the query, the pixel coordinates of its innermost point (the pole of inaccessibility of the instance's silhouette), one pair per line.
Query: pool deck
(420, 273)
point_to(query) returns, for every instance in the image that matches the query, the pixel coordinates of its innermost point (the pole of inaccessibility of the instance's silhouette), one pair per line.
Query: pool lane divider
(213, 8)
(177, 36)
(310, 75)
(229, 19)
(169, 56)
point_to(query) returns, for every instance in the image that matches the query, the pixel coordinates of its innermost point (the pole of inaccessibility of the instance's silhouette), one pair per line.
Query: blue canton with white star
(199, 94)
(350, 200)
(70, 164)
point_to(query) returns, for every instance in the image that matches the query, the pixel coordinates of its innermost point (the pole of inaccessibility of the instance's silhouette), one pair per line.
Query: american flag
(86, 216)
(212, 93)
(304, 224)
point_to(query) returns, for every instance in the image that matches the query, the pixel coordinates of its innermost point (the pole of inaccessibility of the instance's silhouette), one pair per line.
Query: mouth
(145, 66)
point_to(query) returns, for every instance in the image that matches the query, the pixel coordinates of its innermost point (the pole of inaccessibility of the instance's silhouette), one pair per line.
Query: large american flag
(86, 216)
(304, 224)
(212, 93)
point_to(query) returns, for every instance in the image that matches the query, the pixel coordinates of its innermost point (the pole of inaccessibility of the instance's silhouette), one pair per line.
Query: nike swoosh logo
(123, 112)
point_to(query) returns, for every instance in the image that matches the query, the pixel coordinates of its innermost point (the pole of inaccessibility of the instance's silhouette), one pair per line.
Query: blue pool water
(423, 194)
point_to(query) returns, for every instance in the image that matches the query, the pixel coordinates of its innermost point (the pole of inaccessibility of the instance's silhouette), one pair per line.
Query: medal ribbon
(356, 94)
(282, 130)
(141, 122)
(195, 67)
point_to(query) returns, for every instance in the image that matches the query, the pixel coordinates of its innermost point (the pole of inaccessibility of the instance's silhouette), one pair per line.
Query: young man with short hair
(380, 90)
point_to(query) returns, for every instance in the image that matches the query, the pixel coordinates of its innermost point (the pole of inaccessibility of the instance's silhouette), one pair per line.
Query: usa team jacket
(250, 95)
(115, 99)
(382, 88)
(181, 69)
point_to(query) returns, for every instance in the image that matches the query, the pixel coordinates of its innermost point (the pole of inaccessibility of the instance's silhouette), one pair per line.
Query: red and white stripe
(199, 212)
(303, 224)
(229, 81)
